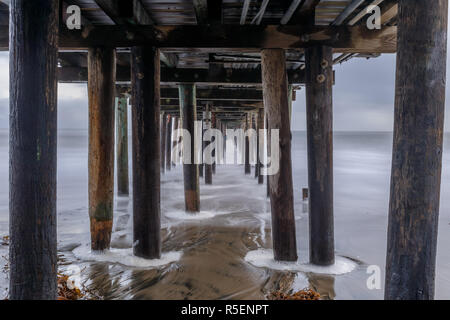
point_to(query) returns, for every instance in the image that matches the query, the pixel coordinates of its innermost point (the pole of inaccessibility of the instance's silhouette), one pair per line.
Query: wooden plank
(319, 110)
(351, 39)
(145, 64)
(101, 92)
(33, 150)
(173, 76)
(281, 189)
(417, 150)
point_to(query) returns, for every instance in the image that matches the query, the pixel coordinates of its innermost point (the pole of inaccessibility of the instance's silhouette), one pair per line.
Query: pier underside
(231, 64)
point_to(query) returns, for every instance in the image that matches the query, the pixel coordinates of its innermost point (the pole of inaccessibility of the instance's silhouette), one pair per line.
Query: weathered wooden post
(174, 143)
(268, 148)
(319, 114)
(33, 130)
(145, 82)
(163, 142)
(417, 150)
(214, 126)
(247, 166)
(188, 113)
(207, 126)
(101, 90)
(122, 145)
(169, 142)
(201, 165)
(260, 146)
(274, 78)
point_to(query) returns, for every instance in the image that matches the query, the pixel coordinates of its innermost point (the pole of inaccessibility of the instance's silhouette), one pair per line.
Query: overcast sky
(363, 97)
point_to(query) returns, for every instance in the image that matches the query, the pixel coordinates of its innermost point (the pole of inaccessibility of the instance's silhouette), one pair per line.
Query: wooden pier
(230, 64)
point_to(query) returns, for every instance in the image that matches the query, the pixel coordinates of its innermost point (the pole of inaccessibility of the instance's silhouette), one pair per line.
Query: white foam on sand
(125, 257)
(263, 258)
(202, 215)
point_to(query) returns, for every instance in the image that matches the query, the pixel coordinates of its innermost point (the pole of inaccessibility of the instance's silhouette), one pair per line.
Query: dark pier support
(101, 89)
(247, 167)
(174, 143)
(33, 123)
(214, 126)
(255, 151)
(319, 118)
(163, 142)
(122, 145)
(273, 63)
(208, 167)
(169, 143)
(268, 148)
(145, 73)
(260, 146)
(417, 151)
(188, 113)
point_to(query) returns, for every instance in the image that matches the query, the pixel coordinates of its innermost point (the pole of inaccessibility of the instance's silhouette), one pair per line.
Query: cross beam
(251, 38)
(175, 76)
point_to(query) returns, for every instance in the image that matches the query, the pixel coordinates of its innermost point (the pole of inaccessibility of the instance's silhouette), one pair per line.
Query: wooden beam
(174, 76)
(33, 151)
(417, 150)
(291, 10)
(244, 12)
(305, 14)
(101, 92)
(346, 12)
(351, 39)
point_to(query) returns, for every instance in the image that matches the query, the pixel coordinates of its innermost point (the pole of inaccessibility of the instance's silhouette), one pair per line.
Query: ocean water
(224, 252)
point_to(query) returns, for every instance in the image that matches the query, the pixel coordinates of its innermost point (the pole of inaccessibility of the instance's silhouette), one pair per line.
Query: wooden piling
(255, 151)
(163, 142)
(145, 74)
(101, 90)
(247, 167)
(273, 63)
(169, 143)
(122, 145)
(174, 143)
(207, 125)
(33, 131)
(188, 111)
(260, 146)
(319, 114)
(214, 126)
(417, 150)
(268, 148)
